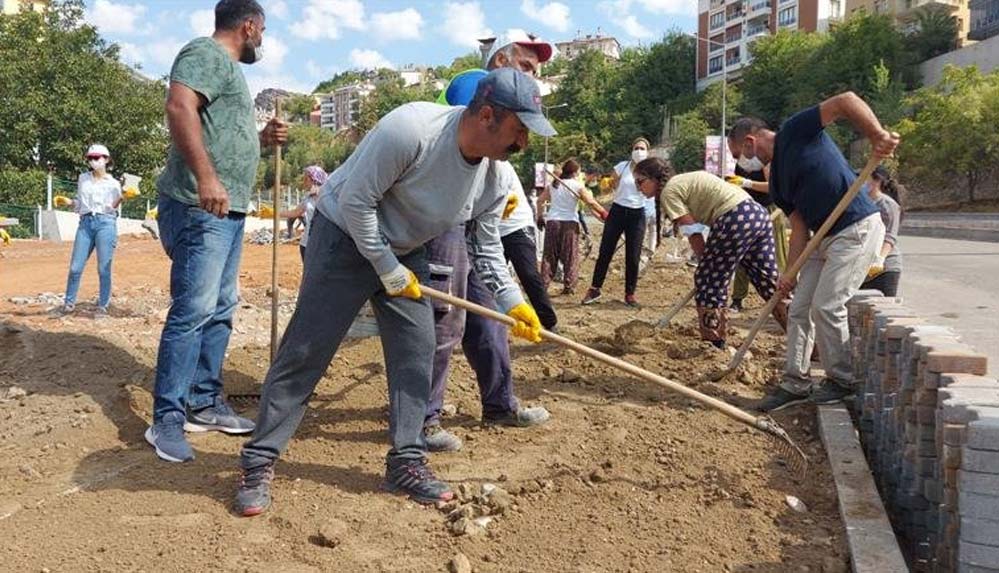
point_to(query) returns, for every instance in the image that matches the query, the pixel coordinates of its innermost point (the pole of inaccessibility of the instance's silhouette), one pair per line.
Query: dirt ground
(626, 477)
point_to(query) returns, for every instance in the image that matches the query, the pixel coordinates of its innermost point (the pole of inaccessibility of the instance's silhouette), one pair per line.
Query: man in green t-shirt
(204, 192)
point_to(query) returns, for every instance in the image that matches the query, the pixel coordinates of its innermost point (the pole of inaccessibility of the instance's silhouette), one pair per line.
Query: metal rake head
(796, 459)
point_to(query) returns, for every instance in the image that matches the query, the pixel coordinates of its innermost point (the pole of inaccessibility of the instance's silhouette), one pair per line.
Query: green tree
(62, 88)
(688, 142)
(339, 80)
(937, 32)
(387, 96)
(298, 107)
(779, 62)
(307, 145)
(950, 140)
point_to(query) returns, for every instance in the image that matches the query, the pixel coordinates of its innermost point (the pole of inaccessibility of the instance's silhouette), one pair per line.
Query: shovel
(794, 456)
(813, 244)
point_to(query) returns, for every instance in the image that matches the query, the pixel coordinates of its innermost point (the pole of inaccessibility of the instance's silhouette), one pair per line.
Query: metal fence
(27, 227)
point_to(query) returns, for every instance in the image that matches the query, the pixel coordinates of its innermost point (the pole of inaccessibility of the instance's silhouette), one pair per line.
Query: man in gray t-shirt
(423, 169)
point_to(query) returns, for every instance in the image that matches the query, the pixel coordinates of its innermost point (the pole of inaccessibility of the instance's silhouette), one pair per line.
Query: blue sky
(310, 40)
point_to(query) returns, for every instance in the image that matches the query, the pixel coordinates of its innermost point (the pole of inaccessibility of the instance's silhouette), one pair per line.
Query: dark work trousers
(630, 223)
(522, 250)
(484, 341)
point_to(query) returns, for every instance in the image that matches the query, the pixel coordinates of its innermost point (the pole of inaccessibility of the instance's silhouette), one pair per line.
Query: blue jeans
(205, 251)
(94, 231)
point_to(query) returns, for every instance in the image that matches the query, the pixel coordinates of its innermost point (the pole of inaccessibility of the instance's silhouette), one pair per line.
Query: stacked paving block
(929, 423)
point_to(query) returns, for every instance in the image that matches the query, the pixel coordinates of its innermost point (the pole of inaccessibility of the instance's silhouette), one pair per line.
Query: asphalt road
(955, 283)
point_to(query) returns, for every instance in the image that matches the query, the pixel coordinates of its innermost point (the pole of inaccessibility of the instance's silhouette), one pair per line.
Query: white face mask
(750, 165)
(638, 155)
(98, 164)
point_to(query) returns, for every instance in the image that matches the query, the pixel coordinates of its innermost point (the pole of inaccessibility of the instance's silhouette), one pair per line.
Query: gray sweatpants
(830, 277)
(337, 280)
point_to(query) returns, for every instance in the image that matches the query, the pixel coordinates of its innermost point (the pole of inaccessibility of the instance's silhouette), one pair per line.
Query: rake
(792, 271)
(794, 456)
(665, 320)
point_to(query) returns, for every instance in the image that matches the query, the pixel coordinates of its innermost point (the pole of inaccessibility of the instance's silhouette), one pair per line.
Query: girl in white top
(626, 217)
(98, 196)
(313, 178)
(562, 226)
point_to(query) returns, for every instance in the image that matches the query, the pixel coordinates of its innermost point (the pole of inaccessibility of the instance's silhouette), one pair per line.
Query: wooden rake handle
(723, 407)
(812, 245)
(668, 317)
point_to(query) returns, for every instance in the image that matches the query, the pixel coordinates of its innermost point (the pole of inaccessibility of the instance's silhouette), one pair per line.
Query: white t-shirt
(97, 196)
(523, 215)
(563, 202)
(627, 194)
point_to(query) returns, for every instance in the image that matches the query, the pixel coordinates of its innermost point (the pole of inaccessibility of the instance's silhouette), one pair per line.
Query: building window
(717, 20)
(787, 17)
(717, 43)
(782, 2)
(715, 65)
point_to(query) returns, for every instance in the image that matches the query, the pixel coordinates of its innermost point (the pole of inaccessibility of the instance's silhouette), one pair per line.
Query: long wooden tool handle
(723, 407)
(562, 181)
(665, 320)
(813, 244)
(274, 244)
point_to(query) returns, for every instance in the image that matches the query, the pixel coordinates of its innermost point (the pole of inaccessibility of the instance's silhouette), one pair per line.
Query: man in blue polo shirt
(808, 177)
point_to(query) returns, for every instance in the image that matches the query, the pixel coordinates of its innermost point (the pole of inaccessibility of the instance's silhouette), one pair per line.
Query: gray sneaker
(101, 312)
(168, 438)
(830, 392)
(218, 417)
(780, 399)
(254, 494)
(522, 418)
(440, 440)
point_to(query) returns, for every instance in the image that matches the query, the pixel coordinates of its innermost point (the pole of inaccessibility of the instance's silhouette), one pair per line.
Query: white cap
(98, 150)
(517, 36)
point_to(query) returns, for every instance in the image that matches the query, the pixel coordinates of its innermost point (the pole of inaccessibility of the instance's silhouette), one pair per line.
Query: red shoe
(630, 300)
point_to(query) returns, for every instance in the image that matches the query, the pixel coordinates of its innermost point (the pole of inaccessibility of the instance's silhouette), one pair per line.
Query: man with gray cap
(423, 169)
(483, 341)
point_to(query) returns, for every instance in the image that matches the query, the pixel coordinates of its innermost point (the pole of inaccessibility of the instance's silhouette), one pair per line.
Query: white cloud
(257, 82)
(684, 7)
(203, 22)
(368, 59)
(276, 8)
(161, 53)
(555, 15)
(111, 18)
(274, 53)
(633, 28)
(130, 53)
(324, 19)
(465, 23)
(402, 25)
(320, 72)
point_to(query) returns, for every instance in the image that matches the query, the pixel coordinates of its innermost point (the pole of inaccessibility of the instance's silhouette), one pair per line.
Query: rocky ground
(626, 476)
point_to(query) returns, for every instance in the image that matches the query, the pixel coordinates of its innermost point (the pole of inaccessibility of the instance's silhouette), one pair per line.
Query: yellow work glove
(266, 212)
(511, 203)
(4, 236)
(528, 325)
(401, 282)
(61, 201)
(152, 213)
(130, 193)
(876, 269)
(740, 181)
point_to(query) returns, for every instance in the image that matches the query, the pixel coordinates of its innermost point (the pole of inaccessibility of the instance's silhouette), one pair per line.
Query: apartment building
(726, 29)
(904, 12)
(983, 19)
(597, 42)
(339, 110)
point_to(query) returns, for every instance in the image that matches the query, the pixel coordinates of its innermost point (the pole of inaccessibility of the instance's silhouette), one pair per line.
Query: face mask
(638, 155)
(750, 165)
(252, 54)
(98, 164)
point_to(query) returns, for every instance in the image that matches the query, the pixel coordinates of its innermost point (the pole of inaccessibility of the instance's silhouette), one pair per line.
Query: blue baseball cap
(461, 88)
(519, 93)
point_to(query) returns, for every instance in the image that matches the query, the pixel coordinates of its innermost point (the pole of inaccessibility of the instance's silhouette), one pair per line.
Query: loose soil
(625, 477)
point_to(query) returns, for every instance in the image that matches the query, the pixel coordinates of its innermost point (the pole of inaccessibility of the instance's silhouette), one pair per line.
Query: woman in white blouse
(97, 198)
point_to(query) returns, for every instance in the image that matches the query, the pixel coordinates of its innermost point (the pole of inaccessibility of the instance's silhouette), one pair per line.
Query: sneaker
(736, 306)
(67, 309)
(440, 440)
(830, 392)
(522, 418)
(254, 494)
(168, 438)
(630, 300)
(218, 417)
(101, 312)
(592, 296)
(415, 479)
(779, 399)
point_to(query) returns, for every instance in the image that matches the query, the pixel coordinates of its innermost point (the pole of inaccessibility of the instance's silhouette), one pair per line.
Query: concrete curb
(872, 542)
(982, 227)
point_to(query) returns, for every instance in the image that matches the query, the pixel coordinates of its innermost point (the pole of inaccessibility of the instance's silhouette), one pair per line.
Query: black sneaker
(254, 494)
(736, 306)
(780, 399)
(415, 479)
(830, 392)
(592, 296)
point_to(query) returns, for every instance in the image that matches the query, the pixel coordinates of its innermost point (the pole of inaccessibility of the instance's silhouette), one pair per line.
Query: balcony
(716, 21)
(754, 32)
(715, 4)
(716, 44)
(759, 8)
